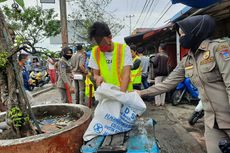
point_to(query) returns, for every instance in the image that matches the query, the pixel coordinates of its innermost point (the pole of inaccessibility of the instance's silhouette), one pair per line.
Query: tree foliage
(20, 2)
(88, 12)
(33, 24)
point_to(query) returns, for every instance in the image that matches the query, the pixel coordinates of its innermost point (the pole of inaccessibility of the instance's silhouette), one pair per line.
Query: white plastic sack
(116, 111)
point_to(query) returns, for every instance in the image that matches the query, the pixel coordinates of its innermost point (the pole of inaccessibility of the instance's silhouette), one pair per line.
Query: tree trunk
(13, 84)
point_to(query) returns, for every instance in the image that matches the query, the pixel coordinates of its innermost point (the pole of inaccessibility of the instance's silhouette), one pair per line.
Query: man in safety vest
(111, 62)
(136, 69)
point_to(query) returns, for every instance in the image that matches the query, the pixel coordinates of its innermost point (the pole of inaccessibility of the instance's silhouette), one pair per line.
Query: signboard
(47, 1)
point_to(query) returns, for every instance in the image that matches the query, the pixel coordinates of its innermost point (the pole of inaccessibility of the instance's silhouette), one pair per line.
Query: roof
(217, 10)
(196, 3)
(181, 13)
(146, 37)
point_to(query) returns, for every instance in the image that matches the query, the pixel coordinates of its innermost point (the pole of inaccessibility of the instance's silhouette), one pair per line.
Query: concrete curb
(42, 91)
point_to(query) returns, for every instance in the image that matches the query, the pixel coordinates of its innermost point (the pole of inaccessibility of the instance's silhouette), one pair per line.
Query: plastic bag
(116, 111)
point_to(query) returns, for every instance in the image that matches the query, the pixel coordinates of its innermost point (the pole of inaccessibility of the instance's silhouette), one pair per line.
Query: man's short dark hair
(79, 47)
(133, 47)
(22, 56)
(99, 29)
(162, 46)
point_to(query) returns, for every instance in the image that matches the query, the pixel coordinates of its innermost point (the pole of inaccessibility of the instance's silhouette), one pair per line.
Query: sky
(149, 17)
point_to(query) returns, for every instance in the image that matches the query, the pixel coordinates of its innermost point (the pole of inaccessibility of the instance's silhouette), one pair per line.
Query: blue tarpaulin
(196, 3)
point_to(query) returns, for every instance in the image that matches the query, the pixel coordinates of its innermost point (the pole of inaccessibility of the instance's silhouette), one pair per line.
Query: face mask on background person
(67, 53)
(67, 56)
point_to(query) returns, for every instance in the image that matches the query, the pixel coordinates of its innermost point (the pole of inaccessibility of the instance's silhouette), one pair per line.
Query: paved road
(48, 97)
(172, 129)
(173, 138)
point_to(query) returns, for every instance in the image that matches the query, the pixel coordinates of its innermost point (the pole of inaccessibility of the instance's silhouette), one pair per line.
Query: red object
(69, 97)
(171, 51)
(183, 52)
(90, 95)
(52, 73)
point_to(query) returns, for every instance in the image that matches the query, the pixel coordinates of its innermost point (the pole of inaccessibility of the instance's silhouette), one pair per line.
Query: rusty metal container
(66, 140)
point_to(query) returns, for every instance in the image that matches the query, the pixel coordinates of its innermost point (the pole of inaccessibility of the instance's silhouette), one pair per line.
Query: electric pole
(130, 22)
(64, 30)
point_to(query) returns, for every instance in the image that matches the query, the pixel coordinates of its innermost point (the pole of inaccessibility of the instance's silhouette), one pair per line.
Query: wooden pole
(64, 30)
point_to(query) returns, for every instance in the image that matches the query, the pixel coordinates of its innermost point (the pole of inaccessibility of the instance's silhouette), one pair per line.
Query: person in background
(22, 59)
(144, 66)
(35, 64)
(161, 71)
(207, 64)
(51, 69)
(110, 61)
(78, 67)
(65, 76)
(136, 69)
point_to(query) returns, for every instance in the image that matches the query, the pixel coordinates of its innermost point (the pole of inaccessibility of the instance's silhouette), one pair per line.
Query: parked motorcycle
(185, 92)
(39, 78)
(197, 114)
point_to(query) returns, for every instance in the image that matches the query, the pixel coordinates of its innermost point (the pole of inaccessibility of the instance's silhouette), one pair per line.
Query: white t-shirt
(50, 66)
(108, 56)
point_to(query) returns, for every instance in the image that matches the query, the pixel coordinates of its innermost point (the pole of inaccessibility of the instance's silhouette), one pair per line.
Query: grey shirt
(77, 60)
(144, 65)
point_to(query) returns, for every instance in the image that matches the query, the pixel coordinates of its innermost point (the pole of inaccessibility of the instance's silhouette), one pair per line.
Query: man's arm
(97, 77)
(223, 62)
(73, 61)
(51, 61)
(136, 64)
(175, 77)
(82, 64)
(125, 78)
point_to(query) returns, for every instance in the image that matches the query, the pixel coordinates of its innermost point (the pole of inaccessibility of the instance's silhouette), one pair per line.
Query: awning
(147, 37)
(196, 3)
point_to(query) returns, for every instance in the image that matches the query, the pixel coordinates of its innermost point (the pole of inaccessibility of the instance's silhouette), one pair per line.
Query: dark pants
(144, 81)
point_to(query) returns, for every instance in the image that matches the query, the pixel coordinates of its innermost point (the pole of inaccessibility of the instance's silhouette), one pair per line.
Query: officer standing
(207, 64)
(65, 75)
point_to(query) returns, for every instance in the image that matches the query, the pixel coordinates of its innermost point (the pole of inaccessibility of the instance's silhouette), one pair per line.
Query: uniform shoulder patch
(224, 50)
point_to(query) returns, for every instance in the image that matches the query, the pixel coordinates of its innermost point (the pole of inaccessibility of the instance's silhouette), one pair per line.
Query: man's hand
(98, 80)
(138, 92)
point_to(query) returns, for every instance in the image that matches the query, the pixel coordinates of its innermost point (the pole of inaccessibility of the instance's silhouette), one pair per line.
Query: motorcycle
(185, 92)
(38, 78)
(197, 114)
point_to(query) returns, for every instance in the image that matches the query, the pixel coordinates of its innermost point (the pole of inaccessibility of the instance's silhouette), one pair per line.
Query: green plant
(16, 116)
(20, 2)
(3, 59)
(33, 24)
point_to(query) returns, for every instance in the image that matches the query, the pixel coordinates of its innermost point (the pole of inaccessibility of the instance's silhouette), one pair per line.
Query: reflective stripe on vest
(88, 82)
(136, 74)
(113, 75)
